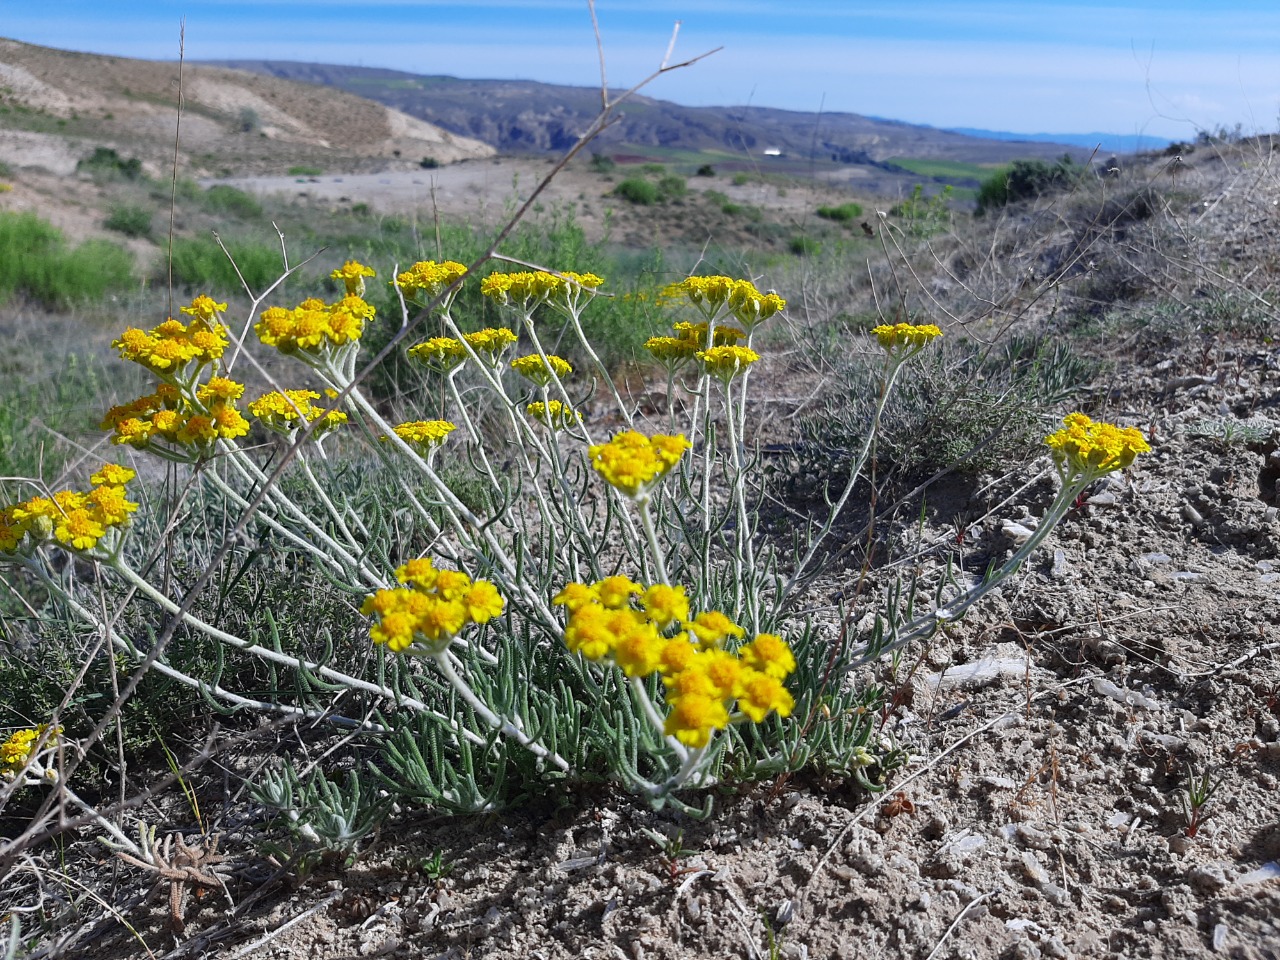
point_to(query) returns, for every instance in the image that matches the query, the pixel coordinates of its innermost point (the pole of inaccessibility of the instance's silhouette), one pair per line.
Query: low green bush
(223, 199)
(305, 171)
(672, 187)
(844, 213)
(1024, 179)
(129, 219)
(635, 190)
(200, 264)
(104, 160)
(35, 261)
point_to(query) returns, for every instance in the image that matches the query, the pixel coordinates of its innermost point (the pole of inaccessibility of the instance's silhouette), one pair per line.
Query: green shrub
(428, 163)
(35, 261)
(602, 163)
(803, 246)
(198, 263)
(637, 191)
(131, 220)
(654, 169)
(104, 160)
(741, 179)
(706, 170)
(672, 187)
(1024, 179)
(222, 199)
(845, 213)
(305, 171)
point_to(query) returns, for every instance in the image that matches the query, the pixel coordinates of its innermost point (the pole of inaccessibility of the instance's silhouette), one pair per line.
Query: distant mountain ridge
(524, 116)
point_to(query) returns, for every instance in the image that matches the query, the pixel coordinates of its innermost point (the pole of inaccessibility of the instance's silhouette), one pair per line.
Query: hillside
(524, 116)
(57, 106)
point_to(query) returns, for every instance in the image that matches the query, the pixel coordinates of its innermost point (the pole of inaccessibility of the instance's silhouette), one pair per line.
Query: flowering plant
(609, 602)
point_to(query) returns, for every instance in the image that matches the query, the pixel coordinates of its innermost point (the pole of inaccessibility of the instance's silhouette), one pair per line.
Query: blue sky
(1165, 68)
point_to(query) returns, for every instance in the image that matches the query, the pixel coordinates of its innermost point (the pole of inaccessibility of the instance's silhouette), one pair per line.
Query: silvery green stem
(506, 727)
(330, 506)
(328, 673)
(586, 344)
(249, 470)
(651, 534)
(927, 626)
(650, 711)
(744, 548)
(855, 474)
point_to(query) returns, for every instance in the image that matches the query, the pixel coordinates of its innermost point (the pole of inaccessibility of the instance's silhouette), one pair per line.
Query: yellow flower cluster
(1083, 446)
(445, 353)
(538, 371)
(5, 187)
(167, 415)
(424, 435)
(427, 277)
(726, 363)
(909, 335)
(647, 630)
(314, 326)
(293, 410)
(690, 340)
(15, 752)
(713, 295)
(553, 414)
(431, 609)
(439, 353)
(352, 275)
(71, 518)
(526, 290)
(633, 463)
(174, 350)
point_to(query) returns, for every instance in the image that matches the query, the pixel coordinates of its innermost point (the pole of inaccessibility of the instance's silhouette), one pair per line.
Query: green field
(947, 169)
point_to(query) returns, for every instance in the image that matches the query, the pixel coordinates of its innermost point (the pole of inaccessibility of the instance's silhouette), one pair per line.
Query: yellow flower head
(205, 308)
(714, 296)
(553, 414)
(427, 279)
(17, 749)
(1085, 448)
(665, 605)
(439, 353)
(712, 628)
(575, 596)
(638, 649)
(491, 341)
(906, 337)
(113, 475)
(769, 654)
(352, 275)
(615, 593)
(697, 333)
(425, 435)
(525, 290)
(293, 410)
(671, 351)
(760, 693)
(433, 608)
(534, 369)
(632, 462)
(693, 717)
(219, 390)
(725, 363)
